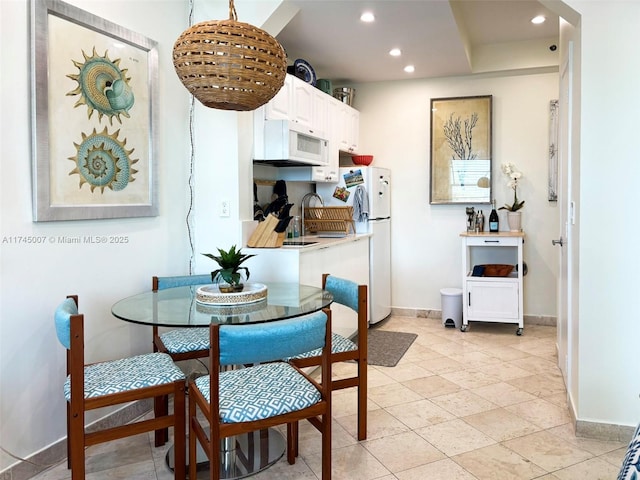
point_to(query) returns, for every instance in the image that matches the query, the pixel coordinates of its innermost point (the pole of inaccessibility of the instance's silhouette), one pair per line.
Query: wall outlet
(224, 208)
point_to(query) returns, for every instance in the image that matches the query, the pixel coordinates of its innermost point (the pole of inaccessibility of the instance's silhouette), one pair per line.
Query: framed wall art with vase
(93, 95)
(461, 140)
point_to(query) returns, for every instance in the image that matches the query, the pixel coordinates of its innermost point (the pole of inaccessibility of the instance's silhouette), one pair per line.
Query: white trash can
(451, 307)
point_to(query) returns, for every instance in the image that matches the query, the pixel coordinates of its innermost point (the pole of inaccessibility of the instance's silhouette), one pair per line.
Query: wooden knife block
(264, 236)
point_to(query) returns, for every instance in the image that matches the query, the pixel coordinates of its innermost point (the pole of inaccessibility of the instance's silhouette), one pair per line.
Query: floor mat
(387, 348)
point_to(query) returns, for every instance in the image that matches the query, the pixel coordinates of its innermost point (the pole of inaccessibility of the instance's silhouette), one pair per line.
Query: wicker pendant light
(230, 65)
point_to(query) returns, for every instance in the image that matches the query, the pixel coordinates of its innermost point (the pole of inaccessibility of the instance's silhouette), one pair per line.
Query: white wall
(606, 342)
(35, 278)
(426, 247)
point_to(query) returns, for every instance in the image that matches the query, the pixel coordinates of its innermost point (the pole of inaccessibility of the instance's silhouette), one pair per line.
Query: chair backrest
(160, 283)
(264, 342)
(62, 318)
(345, 292)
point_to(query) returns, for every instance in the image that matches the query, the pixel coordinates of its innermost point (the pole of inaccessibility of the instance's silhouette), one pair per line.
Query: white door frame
(566, 219)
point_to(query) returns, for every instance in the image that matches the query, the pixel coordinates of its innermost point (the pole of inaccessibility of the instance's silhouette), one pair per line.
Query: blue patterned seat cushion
(126, 374)
(339, 344)
(630, 469)
(183, 340)
(261, 391)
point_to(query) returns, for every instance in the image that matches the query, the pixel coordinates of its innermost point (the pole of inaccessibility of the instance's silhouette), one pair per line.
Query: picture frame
(461, 146)
(553, 151)
(93, 86)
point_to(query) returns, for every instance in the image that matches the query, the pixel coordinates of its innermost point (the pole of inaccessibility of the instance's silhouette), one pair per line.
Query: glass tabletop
(177, 307)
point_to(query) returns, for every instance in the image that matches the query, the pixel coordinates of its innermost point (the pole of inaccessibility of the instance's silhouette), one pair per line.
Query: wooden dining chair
(270, 392)
(354, 296)
(181, 343)
(115, 382)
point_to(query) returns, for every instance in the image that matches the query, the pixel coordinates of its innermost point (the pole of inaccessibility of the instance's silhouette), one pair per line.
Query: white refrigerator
(375, 183)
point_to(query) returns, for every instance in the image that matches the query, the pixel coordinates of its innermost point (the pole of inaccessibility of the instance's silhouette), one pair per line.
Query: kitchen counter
(282, 264)
(318, 243)
(346, 257)
(322, 242)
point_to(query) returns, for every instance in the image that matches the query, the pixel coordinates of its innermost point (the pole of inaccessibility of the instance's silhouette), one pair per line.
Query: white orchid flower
(509, 169)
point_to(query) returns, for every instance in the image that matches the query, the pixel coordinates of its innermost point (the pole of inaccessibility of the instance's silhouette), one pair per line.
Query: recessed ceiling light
(409, 69)
(395, 52)
(367, 17)
(539, 19)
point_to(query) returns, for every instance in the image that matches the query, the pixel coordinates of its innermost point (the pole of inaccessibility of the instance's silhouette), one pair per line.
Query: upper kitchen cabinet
(296, 102)
(279, 107)
(345, 126)
(316, 120)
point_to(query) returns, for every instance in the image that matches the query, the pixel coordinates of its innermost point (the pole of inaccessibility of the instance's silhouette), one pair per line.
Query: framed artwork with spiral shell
(93, 98)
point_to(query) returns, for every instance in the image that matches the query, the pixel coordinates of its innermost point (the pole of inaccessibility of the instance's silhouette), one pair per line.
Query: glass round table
(179, 307)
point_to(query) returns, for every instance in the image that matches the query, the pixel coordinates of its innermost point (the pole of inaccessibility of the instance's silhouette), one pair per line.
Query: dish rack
(329, 219)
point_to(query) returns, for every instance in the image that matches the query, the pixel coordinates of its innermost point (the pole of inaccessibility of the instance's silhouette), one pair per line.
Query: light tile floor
(485, 404)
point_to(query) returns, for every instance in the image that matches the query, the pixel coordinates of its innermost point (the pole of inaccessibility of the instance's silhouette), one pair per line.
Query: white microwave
(287, 143)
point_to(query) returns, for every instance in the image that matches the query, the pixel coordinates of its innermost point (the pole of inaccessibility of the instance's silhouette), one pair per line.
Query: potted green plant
(229, 276)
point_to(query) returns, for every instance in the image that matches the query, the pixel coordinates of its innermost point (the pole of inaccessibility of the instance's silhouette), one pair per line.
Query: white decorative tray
(211, 295)
(231, 308)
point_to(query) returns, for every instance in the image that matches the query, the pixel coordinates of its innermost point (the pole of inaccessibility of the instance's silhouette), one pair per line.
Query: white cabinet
(344, 131)
(319, 112)
(492, 299)
(346, 259)
(297, 102)
(353, 129)
(280, 106)
(320, 115)
(309, 174)
(303, 106)
(345, 126)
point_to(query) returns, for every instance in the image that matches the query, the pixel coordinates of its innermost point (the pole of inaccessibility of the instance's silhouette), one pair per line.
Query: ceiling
(439, 37)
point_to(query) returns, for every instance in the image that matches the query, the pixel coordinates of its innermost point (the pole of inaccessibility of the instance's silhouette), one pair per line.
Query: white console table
(492, 299)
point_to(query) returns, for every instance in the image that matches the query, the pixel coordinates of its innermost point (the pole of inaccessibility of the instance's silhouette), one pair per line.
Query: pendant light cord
(189, 219)
(232, 11)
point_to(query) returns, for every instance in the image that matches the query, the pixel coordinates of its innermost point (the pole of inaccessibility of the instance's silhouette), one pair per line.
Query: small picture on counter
(341, 193)
(353, 178)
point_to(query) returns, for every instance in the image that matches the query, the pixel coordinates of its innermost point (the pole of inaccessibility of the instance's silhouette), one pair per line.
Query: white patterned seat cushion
(126, 374)
(339, 344)
(261, 391)
(630, 469)
(184, 340)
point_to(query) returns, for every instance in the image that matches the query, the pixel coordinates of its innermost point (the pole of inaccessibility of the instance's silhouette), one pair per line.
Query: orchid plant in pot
(229, 276)
(513, 217)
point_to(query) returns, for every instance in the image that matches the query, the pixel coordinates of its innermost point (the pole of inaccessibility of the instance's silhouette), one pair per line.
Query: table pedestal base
(243, 455)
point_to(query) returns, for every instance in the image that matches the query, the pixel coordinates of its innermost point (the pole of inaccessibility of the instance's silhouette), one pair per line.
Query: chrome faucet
(302, 203)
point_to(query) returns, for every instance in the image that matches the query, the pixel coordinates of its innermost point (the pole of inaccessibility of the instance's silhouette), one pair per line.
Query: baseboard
(604, 431)
(57, 452)
(546, 320)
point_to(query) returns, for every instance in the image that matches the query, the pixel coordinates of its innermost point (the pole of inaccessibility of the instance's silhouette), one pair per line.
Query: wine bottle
(493, 218)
